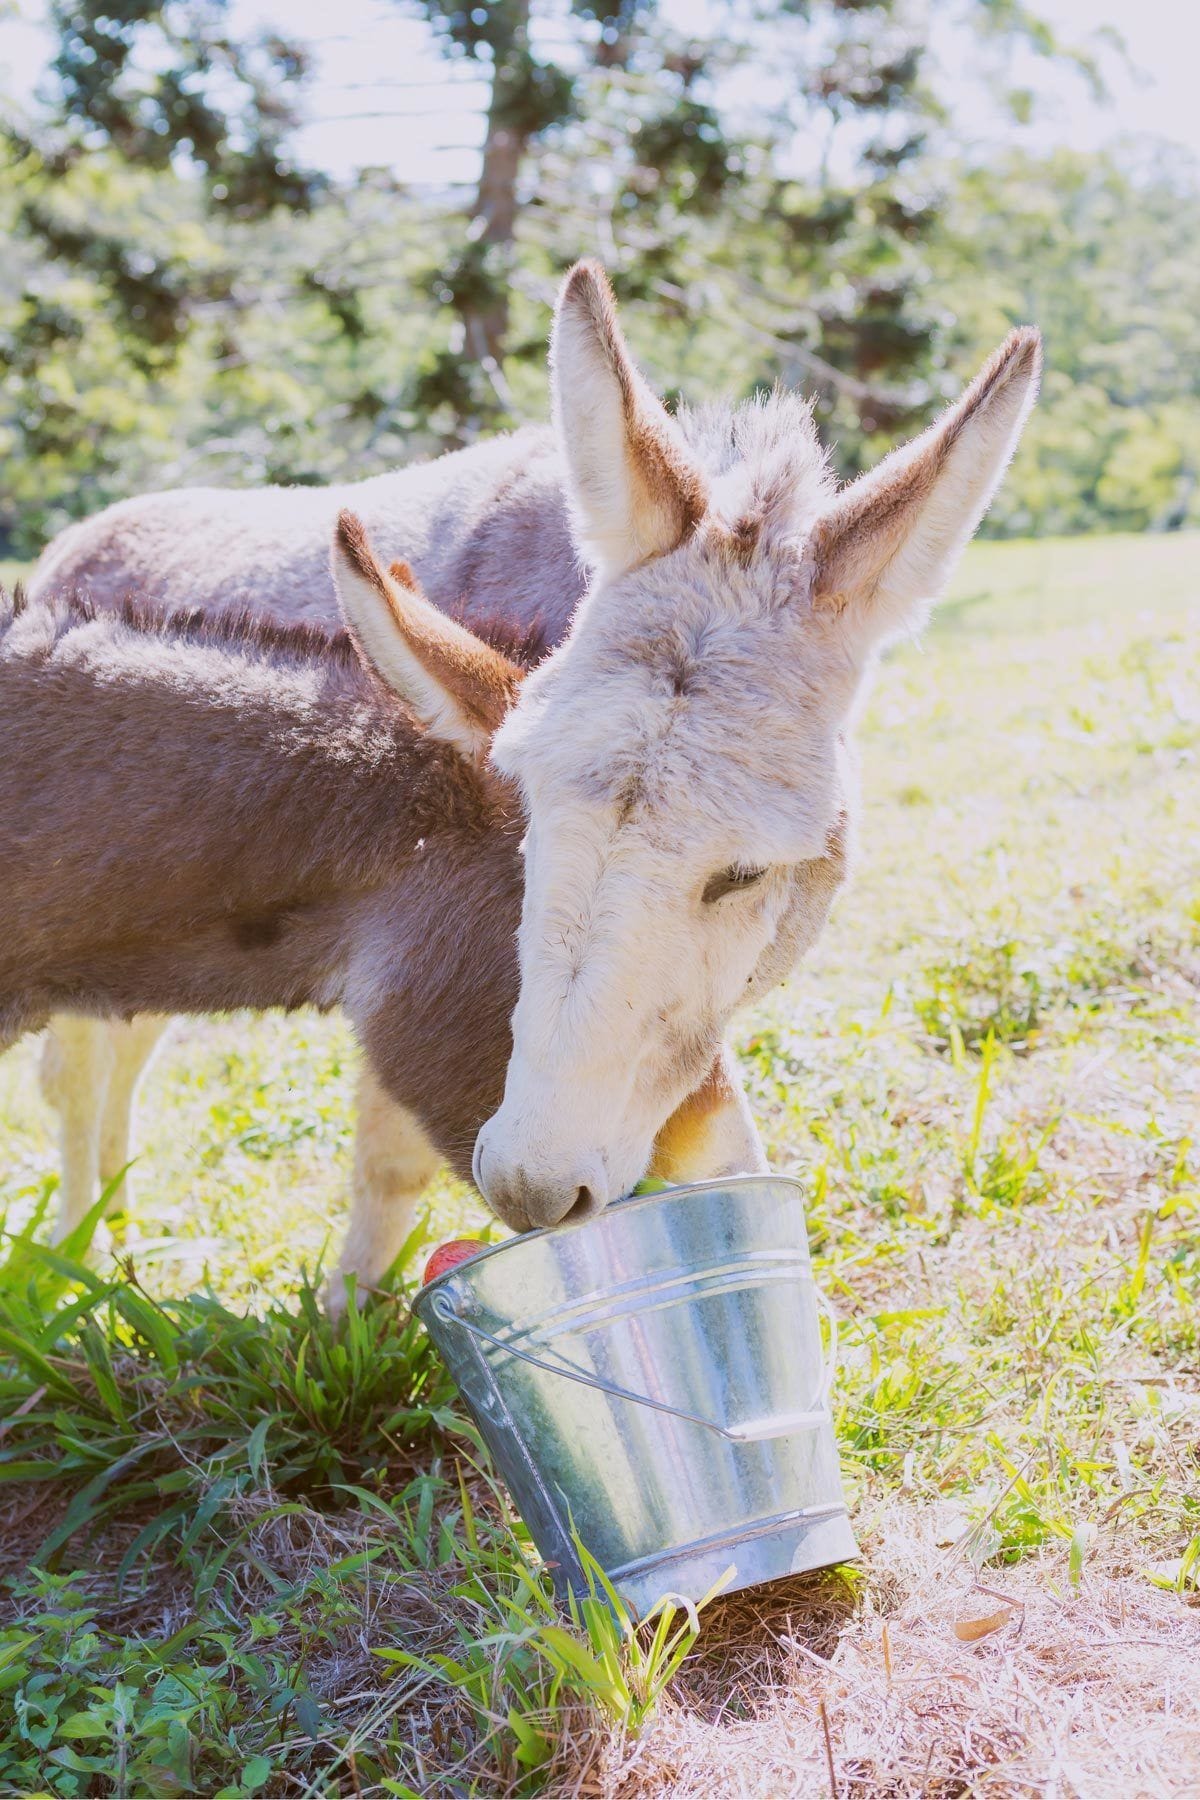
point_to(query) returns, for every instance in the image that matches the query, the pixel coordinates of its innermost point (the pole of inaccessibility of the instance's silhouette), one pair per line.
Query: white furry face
(682, 756)
(683, 772)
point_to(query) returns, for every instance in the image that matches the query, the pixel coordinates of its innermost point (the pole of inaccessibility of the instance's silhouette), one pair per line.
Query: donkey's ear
(635, 491)
(886, 546)
(457, 686)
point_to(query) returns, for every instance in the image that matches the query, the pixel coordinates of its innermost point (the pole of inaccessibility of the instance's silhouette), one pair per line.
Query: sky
(385, 96)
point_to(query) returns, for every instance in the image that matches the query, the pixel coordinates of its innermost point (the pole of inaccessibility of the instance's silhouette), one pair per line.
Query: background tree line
(183, 301)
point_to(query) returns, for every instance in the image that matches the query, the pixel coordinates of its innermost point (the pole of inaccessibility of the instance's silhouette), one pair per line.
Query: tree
(1104, 253)
(152, 85)
(629, 145)
(172, 271)
(168, 250)
(529, 95)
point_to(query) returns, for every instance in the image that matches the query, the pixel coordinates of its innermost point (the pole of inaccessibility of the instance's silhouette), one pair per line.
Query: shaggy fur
(207, 811)
(202, 813)
(730, 654)
(688, 737)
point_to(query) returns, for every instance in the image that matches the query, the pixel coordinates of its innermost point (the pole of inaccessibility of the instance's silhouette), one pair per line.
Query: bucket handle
(755, 1431)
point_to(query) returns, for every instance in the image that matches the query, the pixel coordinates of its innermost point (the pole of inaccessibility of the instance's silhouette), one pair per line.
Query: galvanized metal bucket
(657, 1379)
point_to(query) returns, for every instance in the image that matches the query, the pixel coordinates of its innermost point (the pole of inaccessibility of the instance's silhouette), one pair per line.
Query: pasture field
(240, 1554)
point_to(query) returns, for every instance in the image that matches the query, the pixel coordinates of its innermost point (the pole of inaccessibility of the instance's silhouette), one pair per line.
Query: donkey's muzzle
(531, 1198)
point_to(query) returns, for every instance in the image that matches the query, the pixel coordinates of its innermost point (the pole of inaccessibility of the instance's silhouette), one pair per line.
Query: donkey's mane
(245, 629)
(239, 628)
(526, 643)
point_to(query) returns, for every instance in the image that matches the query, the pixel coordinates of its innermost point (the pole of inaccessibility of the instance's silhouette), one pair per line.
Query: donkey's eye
(729, 881)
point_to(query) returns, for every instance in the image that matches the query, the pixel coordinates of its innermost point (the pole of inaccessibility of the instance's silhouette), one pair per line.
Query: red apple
(448, 1256)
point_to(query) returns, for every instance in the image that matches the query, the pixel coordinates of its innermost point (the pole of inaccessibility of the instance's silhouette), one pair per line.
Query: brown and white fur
(201, 813)
(689, 734)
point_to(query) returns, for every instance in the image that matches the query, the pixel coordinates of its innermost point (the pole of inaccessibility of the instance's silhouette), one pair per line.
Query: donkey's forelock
(683, 665)
(767, 473)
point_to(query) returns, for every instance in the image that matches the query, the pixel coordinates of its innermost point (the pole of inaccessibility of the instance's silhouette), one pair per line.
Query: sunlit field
(240, 1554)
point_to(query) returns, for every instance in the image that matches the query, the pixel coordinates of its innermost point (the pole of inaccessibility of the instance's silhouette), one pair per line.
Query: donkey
(208, 811)
(684, 752)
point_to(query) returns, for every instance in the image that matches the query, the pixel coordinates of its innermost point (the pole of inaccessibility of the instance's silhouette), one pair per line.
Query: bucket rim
(672, 1189)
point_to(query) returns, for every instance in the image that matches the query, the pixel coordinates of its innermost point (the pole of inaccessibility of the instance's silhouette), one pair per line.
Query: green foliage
(1010, 1233)
(89, 1705)
(1004, 990)
(1104, 253)
(992, 992)
(159, 80)
(183, 303)
(738, 262)
(181, 1407)
(215, 388)
(513, 1642)
(190, 1429)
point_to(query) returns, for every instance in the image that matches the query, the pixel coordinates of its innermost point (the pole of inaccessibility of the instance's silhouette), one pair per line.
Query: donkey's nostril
(583, 1207)
(477, 1164)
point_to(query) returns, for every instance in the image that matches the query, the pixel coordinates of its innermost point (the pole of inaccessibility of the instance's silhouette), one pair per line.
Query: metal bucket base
(768, 1550)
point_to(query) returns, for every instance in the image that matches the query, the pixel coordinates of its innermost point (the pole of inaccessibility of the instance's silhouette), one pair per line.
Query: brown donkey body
(201, 812)
(198, 815)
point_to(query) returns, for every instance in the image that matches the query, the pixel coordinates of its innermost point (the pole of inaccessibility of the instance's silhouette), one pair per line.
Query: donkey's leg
(393, 1161)
(130, 1045)
(74, 1076)
(712, 1133)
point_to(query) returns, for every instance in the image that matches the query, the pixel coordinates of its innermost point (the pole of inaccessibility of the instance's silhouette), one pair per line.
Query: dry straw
(1092, 1692)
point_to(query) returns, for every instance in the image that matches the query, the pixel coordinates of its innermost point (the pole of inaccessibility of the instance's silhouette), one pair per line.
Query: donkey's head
(682, 756)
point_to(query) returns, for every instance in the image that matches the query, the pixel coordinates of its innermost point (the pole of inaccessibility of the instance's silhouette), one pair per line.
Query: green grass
(243, 1554)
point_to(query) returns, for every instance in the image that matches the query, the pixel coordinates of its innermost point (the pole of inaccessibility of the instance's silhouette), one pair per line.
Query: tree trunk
(485, 317)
